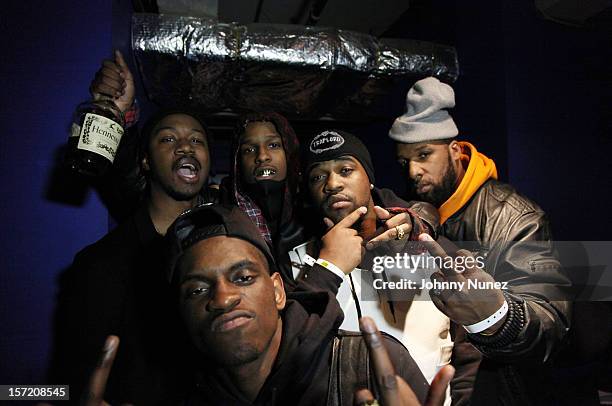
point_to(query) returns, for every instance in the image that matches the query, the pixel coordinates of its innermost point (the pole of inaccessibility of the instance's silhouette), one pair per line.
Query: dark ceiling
(408, 19)
(370, 17)
(383, 18)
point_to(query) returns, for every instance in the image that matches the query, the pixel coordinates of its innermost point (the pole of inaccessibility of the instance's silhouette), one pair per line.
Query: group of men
(235, 296)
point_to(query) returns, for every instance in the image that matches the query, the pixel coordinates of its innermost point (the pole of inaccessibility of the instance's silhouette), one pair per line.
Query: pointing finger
(363, 397)
(437, 389)
(383, 368)
(381, 239)
(432, 246)
(349, 220)
(94, 395)
(393, 233)
(436, 250)
(381, 213)
(400, 219)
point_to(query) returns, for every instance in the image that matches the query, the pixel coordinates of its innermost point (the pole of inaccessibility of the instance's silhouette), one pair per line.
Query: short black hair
(147, 129)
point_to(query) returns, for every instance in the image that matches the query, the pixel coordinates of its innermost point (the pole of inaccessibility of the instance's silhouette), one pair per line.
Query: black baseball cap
(211, 220)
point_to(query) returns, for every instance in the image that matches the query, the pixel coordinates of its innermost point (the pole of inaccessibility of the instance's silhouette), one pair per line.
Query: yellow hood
(479, 169)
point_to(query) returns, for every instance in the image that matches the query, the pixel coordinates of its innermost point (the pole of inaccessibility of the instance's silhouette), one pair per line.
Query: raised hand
(393, 389)
(396, 227)
(342, 245)
(114, 80)
(472, 303)
(94, 393)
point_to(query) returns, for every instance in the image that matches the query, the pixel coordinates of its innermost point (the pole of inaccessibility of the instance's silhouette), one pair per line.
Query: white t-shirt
(415, 321)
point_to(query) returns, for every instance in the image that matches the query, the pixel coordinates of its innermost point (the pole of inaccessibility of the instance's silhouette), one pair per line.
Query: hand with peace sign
(94, 392)
(396, 227)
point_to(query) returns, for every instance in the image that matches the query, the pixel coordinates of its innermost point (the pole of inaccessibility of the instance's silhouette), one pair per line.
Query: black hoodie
(300, 375)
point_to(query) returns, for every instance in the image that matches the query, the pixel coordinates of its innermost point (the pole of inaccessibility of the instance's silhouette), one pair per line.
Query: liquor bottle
(95, 135)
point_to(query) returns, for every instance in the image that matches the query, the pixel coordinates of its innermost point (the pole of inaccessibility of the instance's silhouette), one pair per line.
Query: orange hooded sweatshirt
(479, 169)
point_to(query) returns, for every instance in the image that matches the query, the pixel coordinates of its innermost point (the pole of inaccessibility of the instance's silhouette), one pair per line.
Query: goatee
(440, 193)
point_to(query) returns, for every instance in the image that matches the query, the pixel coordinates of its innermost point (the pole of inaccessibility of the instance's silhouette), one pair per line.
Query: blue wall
(559, 119)
(49, 51)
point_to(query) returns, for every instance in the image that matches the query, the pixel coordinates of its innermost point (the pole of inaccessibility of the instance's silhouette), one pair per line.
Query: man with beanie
(264, 184)
(339, 177)
(521, 328)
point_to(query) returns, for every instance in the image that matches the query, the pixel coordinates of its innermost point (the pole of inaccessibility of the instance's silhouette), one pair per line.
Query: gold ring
(400, 233)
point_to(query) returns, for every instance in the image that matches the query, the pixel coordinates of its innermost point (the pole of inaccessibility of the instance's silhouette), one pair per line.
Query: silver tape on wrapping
(295, 70)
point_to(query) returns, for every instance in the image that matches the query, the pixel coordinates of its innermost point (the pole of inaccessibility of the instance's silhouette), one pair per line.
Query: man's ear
(280, 298)
(455, 150)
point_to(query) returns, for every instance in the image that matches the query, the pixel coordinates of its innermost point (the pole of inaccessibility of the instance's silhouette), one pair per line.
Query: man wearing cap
(253, 343)
(264, 184)
(527, 320)
(339, 177)
(118, 285)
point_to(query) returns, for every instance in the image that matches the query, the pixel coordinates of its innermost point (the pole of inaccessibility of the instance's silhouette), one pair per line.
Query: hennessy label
(100, 135)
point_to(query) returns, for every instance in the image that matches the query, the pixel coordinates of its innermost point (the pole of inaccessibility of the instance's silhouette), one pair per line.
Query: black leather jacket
(513, 234)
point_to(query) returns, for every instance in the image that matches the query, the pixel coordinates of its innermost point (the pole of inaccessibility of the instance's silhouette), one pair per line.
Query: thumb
(120, 61)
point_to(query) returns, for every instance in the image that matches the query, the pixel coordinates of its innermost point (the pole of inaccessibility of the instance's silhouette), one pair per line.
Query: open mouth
(263, 173)
(187, 169)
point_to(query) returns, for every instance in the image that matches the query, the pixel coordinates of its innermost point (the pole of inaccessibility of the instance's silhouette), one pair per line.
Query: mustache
(337, 197)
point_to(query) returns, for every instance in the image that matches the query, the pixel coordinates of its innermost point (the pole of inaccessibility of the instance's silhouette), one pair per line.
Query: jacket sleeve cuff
(132, 115)
(320, 278)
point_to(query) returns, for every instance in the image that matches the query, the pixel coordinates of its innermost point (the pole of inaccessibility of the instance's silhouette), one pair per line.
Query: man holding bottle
(117, 285)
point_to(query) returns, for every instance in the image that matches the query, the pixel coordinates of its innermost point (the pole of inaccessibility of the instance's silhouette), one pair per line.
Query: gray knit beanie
(426, 118)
